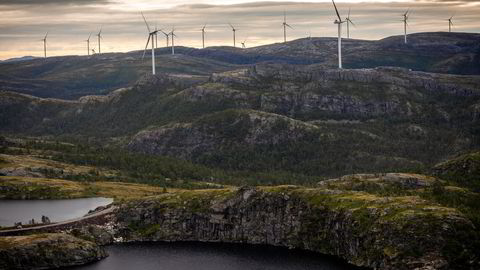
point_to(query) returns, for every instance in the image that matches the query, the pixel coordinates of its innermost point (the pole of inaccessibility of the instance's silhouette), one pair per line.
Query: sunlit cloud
(70, 22)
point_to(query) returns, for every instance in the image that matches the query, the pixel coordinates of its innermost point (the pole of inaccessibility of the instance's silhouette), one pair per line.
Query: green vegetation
(15, 187)
(463, 170)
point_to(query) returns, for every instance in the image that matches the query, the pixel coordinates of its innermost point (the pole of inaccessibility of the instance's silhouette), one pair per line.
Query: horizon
(147, 55)
(25, 22)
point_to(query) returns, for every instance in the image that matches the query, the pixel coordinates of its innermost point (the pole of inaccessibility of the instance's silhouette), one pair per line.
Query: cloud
(54, 2)
(22, 27)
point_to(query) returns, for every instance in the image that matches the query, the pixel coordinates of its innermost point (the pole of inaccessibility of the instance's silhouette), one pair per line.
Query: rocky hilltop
(307, 119)
(47, 251)
(403, 232)
(277, 108)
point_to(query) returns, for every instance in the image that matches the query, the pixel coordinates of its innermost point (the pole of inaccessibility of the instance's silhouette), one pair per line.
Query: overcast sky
(23, 23)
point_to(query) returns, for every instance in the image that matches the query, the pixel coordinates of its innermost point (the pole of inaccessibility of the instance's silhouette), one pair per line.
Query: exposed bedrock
(364, 229)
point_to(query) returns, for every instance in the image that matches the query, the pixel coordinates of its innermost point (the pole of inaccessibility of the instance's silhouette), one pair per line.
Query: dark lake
(210, 256)
(12, 211)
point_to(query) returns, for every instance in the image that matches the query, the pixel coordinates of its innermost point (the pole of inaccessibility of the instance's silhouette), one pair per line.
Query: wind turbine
(99, 35)
(234, 30)
(167, 36)
(151, 34)
(405, 24)
(348, 23)
(172, 33)
(243, 43)
(88, 44)
(45, 45)
(285, 25)
(339, 23)
(156, 37)
(450, 24)
(203, 36)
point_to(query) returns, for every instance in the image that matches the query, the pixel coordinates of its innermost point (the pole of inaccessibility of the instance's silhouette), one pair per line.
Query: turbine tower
(405, 24)
(349, 21)
(203, 36)
(172, 33)
(88, 44)
(233, 30)
(167, 37)
(99, 35)
(450, 24)
(151, 35)
(45, 45)
(339, 23)
(285, 25)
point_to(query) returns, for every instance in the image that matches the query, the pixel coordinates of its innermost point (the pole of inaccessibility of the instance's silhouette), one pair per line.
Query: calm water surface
(12, 211)
(209, 256)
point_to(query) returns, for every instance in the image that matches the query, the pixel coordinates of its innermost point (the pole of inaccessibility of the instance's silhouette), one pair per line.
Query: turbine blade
(148, 41)
(46, 36)
(231, 26)
(145, 20)
(336, 10)
(89, 37)
(349, 9)
(351, 22)
(289, 25)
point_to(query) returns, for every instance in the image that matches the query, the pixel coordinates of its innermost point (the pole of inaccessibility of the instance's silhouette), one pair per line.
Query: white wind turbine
(45, 45)
(405, 24)
(156, 36)
(151, 35)
(172, 33)
(285, 25)
(167, 37)
(233, 30)
(349, 21)
(339, 23)
(450, 24)
(88, 44)
(203, 36)
(99, 35)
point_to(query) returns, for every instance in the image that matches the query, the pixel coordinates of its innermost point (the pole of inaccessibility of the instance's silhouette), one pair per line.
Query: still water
(12, 211)
(210, 256)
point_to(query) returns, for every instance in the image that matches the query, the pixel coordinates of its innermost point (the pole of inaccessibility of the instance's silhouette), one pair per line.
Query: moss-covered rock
(403, 232)
(47, 251)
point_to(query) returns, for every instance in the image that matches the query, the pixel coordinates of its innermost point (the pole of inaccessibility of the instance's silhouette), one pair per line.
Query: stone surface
(47, 251)
(366, 230)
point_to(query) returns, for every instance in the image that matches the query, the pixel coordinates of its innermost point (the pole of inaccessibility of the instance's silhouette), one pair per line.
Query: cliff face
(47, 251)
(384, 115)
(365, 229)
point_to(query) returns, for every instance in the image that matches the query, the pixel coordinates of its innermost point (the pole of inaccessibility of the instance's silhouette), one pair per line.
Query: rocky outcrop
(210, 133)
(367, 230)
(47, 251)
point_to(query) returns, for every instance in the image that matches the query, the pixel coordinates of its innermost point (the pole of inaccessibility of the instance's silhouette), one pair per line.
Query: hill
(303, 119)
(70, 77)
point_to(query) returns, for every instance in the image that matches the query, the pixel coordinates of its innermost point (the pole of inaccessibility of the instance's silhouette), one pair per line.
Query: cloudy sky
(23, 23)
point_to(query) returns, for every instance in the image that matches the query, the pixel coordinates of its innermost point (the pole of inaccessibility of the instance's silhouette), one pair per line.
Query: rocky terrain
(47, 251)
(381, 220)
(381, 232)
(305, 119)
